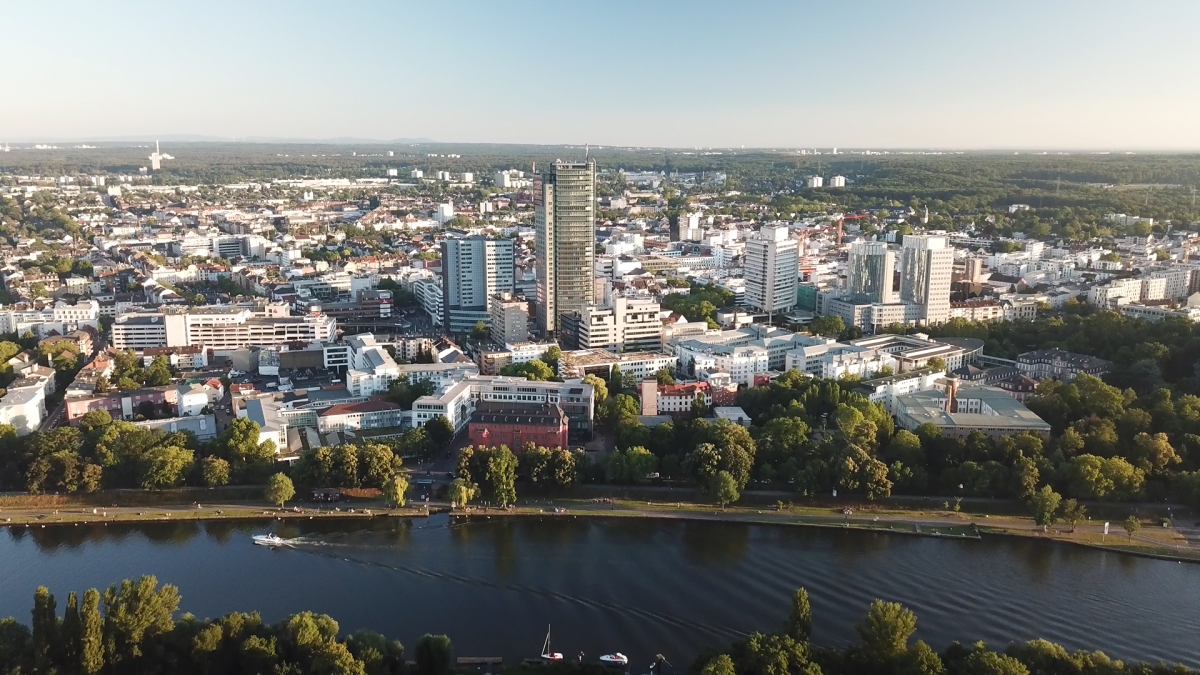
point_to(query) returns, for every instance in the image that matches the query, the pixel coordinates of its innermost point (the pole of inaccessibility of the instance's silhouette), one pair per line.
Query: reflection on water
(639, 586)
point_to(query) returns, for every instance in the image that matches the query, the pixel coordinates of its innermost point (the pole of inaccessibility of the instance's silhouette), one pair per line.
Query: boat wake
(622, 610)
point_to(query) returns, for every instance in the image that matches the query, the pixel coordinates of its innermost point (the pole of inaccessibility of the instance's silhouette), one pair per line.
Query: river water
(637, 586)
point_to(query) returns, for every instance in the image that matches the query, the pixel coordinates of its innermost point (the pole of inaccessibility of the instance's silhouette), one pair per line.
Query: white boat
(269, 540)
(614, 659)
(548, 655)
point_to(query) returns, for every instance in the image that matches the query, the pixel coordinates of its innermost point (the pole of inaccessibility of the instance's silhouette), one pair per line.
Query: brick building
(516, 425)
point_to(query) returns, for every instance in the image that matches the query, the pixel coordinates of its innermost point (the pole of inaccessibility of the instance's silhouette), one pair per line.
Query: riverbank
(1162, 543)
(234, 504)
(67, 513)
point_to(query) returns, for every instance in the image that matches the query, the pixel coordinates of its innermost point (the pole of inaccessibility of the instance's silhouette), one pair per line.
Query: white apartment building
(629, 324)
(219, 327)
(24, 402)
(772, 270)
(835, 359)
(1108, 295)
(61, 317)
(371, 369)
(510, 319)
(429, 293)
(741, 362)
(885, 389)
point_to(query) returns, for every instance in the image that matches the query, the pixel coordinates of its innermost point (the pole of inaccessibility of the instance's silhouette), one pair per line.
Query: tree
(133, 612)
(70, 632)
(828, 326)
(663, 376)
(345, 466)
(377, 465)
(102, 386)
(634, 464)
(724, 489)
(983, 662)
(434, 655)
(239, 444)
(1153, 453)
(440, 431)
(720, 664)
(159, 372)
(619, 410)
(166, 467)
(460, 491)
(214, 471)
(1073, 513)
(45, 630)
(535, 370)
(551, 358)
(394, 489)
(91, 629)
(480, 332)
(1045, 503)
(279, 489)
(599, 388)
(1131, 525)
(936, 363)
(616, 383)
(886, 631)
(502, 475)
(799, 625)
(94, 419)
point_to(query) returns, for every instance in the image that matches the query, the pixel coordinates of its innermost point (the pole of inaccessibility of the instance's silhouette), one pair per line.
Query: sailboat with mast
(548, 655)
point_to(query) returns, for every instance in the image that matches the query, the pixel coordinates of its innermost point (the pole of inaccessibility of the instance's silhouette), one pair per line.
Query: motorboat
(548, 655)
(614, 659)
(272, 540)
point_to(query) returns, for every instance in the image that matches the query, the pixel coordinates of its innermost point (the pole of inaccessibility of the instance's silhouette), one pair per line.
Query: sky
(1046, 74)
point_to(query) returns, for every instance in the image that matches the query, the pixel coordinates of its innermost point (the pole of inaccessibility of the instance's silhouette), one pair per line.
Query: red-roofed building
(674, 399)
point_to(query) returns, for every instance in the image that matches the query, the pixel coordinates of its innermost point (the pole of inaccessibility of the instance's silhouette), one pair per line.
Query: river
(637, 586)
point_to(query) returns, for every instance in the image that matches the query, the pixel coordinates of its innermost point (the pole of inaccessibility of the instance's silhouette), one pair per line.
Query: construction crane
(804, 233)
(842, 219)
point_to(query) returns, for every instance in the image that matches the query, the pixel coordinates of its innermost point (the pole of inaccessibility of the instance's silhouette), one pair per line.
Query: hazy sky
(962, 74)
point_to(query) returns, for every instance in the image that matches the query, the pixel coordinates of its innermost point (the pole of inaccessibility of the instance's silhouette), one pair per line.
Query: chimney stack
(951, 394)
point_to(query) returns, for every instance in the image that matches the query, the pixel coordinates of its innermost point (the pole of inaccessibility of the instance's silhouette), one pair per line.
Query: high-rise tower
(926, 267)
(473, 270)
(871, 272)
(564, 201)
(772, 270)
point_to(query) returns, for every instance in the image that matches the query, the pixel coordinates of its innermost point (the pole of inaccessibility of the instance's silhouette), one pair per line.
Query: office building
(772, 270)
(871, 276)
(629, 325)
(564, 201)
(219, 327)
(926, 266)
(473, 270)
